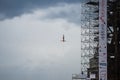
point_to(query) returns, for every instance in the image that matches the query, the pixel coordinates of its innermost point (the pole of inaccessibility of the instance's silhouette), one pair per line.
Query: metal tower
(89, 33)
(90, 56)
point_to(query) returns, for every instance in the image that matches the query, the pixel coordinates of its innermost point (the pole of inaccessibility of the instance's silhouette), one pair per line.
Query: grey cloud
(70, 12)
(12, 8)
(71, 16)
(22, 59)
(19, 73)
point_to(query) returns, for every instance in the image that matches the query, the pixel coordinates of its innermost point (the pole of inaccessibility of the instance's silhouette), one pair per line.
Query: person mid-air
(63, 38)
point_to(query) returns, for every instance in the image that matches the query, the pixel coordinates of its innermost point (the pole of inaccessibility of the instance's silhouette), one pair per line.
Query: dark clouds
(69, 12)
(11, 8)
(30, 47)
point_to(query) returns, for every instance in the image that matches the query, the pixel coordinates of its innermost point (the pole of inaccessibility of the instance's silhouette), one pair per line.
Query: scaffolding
(89, 33)
(89, 41)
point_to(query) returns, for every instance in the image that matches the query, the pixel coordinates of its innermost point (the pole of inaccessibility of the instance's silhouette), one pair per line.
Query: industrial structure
(89, 33)
(90, 39)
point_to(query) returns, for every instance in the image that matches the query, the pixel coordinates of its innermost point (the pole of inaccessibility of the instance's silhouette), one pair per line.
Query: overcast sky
(30, 39)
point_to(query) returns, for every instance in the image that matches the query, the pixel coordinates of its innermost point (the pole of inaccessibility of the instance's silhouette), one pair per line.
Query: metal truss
(89, 33)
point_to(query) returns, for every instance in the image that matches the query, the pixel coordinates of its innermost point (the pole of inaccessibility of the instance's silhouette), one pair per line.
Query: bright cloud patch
(31, 47)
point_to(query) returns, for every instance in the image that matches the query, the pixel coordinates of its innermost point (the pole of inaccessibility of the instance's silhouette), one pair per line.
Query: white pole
(102, 40)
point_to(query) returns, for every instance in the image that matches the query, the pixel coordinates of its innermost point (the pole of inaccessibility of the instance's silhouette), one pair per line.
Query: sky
(30, 39)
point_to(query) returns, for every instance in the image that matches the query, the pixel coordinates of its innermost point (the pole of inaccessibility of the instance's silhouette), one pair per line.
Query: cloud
(71, 12)
(12, 8)
(30, 46)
